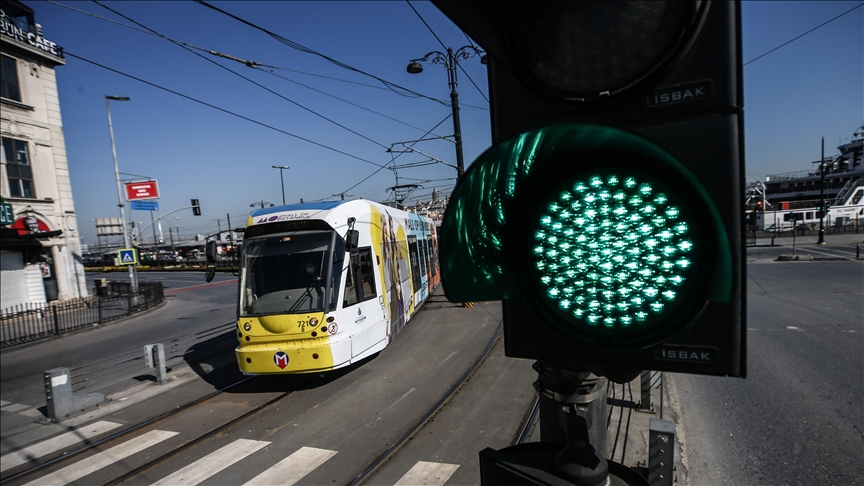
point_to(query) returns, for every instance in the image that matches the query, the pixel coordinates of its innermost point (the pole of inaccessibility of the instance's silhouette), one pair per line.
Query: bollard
(661, 441)
(154, 357)
(58, 393)
(59, 399)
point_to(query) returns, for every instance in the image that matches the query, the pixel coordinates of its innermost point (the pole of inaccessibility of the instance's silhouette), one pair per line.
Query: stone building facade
(40, 249)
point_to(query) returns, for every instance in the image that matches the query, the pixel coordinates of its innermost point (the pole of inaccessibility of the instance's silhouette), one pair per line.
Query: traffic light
(608, 214)
(196, 208)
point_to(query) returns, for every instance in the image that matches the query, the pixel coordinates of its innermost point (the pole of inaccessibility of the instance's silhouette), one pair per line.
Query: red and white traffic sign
(136, 191)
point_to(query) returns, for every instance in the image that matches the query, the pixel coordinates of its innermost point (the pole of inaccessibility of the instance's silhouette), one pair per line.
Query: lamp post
(450, 60)
(262, 204)
(133, 278)
(281, 168)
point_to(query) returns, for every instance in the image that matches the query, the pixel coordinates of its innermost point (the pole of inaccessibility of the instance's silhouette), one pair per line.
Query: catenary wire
(179, 44)
(387, 165)
(209, 105)
(294, 45)
(445, 48)
(805, 33)
(253, 64)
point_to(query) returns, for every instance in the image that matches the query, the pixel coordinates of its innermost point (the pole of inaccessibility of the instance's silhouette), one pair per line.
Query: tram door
(360, 304)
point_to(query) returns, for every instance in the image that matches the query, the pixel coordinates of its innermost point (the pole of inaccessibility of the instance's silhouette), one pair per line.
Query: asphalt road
(190, 306)
(797, 417)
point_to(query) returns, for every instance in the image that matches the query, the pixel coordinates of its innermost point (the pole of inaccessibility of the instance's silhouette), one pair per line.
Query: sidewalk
(811, 239)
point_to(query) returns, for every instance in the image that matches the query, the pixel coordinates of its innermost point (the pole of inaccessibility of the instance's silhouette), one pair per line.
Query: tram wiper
(307, 294)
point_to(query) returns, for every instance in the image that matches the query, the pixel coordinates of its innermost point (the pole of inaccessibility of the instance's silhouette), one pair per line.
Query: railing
(32, 322)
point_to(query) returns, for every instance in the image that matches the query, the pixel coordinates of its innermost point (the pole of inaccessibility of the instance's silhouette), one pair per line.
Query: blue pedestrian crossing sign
(127, 256)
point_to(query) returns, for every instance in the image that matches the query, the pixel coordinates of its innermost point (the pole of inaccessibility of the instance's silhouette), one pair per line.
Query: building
(40, 250)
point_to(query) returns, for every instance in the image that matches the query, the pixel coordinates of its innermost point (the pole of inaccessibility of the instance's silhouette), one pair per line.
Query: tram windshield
(291, 273)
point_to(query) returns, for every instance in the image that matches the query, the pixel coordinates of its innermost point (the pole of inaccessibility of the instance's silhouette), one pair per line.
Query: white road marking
(212, 463)
(400, 399)
(74, 472)
(33, 412)
(826, 253)
(428, 474)
(14, 407)
(293, 468)
(3, 403)
(792, 327)
(54, 444)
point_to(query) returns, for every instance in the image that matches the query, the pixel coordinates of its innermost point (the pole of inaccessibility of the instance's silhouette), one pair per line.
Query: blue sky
(810, 88)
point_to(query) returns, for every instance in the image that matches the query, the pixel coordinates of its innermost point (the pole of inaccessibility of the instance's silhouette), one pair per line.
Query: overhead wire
(179, 44)
(294, 45)
(802, 35)
(445, 48)
(210, 105)
(256, 64)
(388, 165)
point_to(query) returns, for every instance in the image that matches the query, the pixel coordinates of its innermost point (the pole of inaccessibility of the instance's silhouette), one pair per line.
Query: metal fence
(31, 322)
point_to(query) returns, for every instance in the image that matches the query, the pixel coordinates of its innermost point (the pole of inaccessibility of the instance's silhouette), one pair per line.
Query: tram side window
(415, 266)
(433, 257)
(360, 282)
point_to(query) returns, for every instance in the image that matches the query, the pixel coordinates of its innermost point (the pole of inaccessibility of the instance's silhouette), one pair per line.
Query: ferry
(793, 199)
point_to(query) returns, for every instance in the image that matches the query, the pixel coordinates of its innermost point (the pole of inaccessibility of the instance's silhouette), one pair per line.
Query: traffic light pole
(573, 447)
(573, 411)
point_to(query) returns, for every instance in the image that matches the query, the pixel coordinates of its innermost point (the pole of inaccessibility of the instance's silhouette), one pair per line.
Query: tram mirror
(352, 239)
(210, 253)
(211, 272)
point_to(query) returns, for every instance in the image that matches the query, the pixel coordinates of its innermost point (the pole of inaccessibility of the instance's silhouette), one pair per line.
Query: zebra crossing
(287, 471)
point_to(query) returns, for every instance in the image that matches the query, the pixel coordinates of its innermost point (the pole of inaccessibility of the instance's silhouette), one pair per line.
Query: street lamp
(450, 61)
(262, 204)
(133, 278)
(281, 168)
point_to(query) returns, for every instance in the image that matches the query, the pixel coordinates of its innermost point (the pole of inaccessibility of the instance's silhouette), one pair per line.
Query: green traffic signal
(612, 251)
(602, 233)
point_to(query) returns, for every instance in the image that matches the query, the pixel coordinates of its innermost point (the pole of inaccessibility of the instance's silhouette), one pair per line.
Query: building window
(9, 79)
(18, 168)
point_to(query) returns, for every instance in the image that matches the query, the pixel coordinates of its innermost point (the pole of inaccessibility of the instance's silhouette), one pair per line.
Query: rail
(25, 323)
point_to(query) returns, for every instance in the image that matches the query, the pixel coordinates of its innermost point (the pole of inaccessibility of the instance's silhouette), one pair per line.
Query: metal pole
(454, 103)
(154, 233)
(282, 181)
(132, 282)
(822, 196)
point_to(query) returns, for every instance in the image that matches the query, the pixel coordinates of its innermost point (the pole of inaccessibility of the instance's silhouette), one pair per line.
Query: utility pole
(822, 196)
(219, 224)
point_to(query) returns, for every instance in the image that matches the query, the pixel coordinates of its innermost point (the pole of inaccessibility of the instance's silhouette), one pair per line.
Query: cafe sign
(9, 29)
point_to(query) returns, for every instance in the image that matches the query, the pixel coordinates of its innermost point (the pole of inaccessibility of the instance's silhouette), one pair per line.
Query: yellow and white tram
(323, 285)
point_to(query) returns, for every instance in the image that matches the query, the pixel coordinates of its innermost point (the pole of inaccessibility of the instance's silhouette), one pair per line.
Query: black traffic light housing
(196, 208)
(593, 89)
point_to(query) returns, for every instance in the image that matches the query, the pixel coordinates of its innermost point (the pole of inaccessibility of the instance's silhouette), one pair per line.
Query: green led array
(612, 252)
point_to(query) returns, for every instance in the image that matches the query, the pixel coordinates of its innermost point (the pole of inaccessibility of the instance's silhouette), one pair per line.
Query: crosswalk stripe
(3, 403)
(293, 468)
(428, 474)
(213, 463)
(14, 407)
(95, 462)
(33, 412)
(62, 441)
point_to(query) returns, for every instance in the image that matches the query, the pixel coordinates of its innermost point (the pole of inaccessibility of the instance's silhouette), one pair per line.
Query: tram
(324, 285)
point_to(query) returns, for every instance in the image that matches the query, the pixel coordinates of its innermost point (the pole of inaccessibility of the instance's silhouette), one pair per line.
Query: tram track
(194, 406)
(122, 434)
(367, 473)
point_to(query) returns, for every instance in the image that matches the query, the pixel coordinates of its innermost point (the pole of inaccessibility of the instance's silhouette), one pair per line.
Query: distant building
(40, 254)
